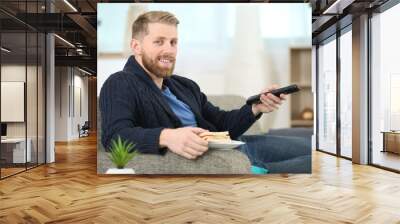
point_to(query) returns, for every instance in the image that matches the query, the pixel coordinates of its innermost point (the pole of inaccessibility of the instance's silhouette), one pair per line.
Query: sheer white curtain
(346, 93)
(385, 81)
(327, 96)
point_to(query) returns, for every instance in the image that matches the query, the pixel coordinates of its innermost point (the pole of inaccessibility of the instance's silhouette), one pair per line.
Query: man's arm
(117, 107)
(240, 120)
(184, 141)
(235, 121)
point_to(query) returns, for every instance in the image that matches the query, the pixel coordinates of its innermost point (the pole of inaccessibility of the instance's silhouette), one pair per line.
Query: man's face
(159, 48)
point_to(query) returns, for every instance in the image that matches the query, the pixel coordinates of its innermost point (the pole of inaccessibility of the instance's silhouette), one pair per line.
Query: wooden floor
(387, 159)
(10, 171)
(5, 172)
(70, 191)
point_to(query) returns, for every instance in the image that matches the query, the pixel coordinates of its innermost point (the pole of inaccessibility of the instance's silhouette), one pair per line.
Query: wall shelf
(300, 74)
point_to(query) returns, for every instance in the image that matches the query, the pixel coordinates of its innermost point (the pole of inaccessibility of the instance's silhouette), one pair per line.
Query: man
(159, 111)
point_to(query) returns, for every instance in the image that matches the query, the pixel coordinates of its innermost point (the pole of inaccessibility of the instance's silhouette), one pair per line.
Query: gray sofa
(212, 162)
(218, 161)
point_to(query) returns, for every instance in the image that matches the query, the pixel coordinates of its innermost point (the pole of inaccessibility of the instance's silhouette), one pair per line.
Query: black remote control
(277, 92)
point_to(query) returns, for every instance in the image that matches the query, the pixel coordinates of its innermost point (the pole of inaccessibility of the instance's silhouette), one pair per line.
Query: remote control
(277, 92)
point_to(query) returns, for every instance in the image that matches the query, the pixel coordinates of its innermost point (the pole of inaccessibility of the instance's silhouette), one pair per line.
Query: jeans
(278, 154)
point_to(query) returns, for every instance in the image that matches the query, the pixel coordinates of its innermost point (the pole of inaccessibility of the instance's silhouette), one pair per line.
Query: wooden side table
(391, 141)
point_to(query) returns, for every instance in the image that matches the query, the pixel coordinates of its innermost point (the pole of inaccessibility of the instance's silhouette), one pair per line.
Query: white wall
(13, 75)
(68, 81)
(80, 83)
(61, 103)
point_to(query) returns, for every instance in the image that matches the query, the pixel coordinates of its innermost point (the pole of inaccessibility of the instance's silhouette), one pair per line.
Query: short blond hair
(140, 25)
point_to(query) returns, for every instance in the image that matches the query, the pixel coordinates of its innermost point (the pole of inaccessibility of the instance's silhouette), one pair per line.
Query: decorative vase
(120, 171)
(307, 114)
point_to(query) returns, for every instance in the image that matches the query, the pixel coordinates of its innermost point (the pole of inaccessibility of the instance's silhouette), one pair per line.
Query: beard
(153, 65)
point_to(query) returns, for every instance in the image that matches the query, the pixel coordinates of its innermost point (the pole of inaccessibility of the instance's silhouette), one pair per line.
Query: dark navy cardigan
(133, 107)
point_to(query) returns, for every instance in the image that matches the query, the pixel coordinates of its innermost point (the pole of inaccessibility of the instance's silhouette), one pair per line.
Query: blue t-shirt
(181, 110)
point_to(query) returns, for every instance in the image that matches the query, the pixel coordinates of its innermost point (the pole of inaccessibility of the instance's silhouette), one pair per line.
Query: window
(385, 89)
(327, 97)
(22, 66)
(346, 94)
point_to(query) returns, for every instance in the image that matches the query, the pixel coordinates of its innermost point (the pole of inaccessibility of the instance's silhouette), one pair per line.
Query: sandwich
(215, 136)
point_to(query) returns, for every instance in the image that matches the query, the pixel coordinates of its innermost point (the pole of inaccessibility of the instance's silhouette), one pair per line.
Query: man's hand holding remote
(269, 102)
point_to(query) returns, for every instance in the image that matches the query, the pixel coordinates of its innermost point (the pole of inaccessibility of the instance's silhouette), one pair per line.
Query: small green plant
(121, 152)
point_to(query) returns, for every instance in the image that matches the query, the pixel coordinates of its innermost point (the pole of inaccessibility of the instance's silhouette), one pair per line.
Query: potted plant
(122, 152)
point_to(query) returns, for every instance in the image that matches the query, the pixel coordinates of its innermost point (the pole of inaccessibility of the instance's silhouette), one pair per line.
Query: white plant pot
(120, 171)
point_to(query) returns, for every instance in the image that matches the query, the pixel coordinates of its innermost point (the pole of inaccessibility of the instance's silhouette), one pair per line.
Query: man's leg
(278, 153)
(301, 164)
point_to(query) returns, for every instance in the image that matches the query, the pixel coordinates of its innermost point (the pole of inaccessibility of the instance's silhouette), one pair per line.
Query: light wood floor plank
(69, 191)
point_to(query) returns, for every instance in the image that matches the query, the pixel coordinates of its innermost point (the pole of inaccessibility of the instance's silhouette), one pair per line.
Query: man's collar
(134, 68)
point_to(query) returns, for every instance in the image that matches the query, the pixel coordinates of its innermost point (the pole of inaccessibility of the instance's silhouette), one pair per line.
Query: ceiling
(331, 15)
(75, 21)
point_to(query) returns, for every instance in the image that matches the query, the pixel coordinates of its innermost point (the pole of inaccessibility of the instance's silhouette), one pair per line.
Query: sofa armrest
(212, 162)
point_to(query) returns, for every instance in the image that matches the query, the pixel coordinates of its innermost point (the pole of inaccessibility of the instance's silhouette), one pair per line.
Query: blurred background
(227, 49)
